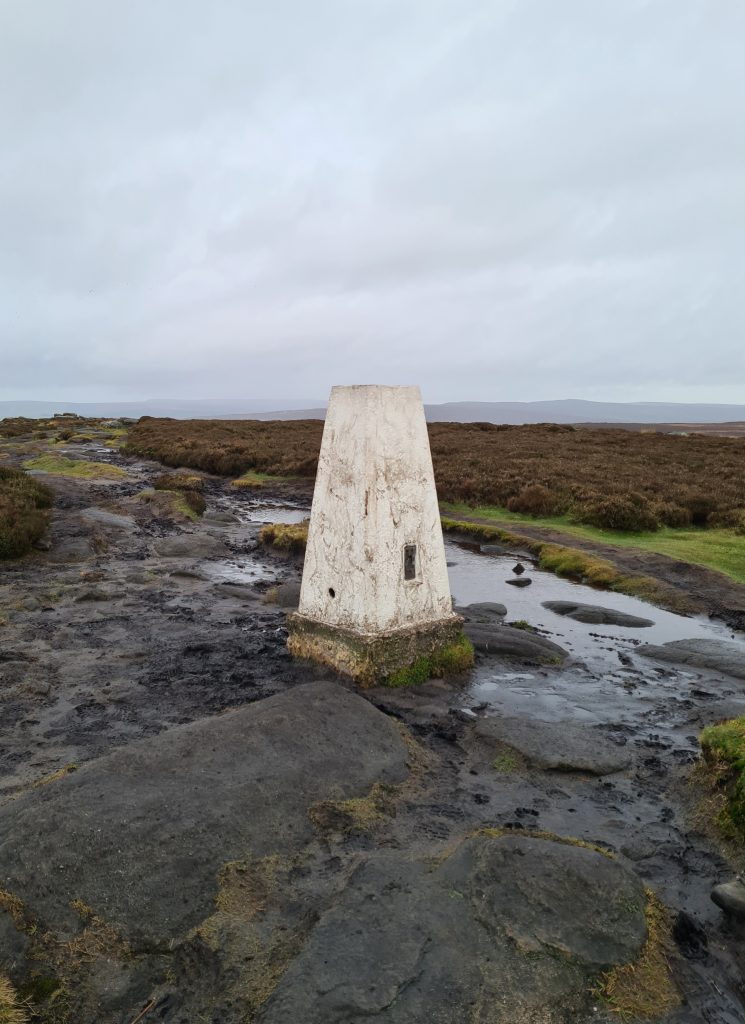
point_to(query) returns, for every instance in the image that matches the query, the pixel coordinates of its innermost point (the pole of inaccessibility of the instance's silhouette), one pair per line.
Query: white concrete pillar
(375, 591)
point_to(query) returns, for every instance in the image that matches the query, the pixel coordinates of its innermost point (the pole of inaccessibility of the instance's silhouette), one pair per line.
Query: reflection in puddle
(273, 514)
(604, 681)
(254, 508)
(242, 571)
(478, 577)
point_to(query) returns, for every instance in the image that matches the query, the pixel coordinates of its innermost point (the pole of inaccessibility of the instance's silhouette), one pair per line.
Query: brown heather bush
(627, 513)
(680, 480)
(23, 512)
(17, 426)
(534, 500)
(230, 447)
(668, 513)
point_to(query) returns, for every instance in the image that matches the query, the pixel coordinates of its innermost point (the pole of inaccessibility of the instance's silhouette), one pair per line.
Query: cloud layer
(498, 200)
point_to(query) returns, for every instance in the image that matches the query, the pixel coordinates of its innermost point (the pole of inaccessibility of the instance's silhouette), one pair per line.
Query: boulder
(482, 611)
(519, 581)
(718, 655)
(730, 896)
(515, 923)
(140, 834)
(558, 746)
(596, 614)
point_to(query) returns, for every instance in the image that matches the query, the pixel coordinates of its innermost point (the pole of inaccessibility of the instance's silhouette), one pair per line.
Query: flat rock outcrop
(139, 835)
(557, 746)
(718, 655)
(515, 923)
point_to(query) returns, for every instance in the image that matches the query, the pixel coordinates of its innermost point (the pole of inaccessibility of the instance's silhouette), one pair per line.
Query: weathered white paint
(374, 494)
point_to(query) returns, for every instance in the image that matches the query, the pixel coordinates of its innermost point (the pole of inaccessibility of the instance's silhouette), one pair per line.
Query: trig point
(375, 596)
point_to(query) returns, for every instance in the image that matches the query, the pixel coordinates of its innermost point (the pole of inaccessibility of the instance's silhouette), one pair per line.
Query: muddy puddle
(475, 576)
(274, 514)
(241, 570)
(605, 681)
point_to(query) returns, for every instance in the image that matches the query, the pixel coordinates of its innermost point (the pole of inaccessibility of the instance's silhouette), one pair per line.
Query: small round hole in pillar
(332, 592)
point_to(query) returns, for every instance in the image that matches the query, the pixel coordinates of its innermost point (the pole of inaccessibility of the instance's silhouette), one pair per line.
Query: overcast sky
(496, 200)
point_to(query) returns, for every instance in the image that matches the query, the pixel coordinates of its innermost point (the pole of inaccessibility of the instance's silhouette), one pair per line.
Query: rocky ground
(195, 828)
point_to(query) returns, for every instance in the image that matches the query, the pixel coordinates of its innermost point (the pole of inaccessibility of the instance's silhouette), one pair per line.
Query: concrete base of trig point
(370, 659)
(375, 596)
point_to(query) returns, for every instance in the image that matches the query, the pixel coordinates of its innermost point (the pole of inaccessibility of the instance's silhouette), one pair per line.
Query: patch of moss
(355, 815)
(54, 776)
(246, 886)
(523, 624)
(644, 989)
(723, 747)
(12, 905)
(58, 465)
(39, 987)
(501, 833)
(12, 1010)
(288, 537)
(550, 837)
(452, 659)
(60, 990)
(506, 763)
(242, 928)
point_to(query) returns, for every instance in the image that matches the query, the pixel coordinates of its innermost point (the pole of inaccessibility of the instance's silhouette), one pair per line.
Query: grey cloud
(499, 200)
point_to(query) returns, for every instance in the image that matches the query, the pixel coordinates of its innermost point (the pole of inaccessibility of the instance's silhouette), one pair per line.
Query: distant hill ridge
(565, 410)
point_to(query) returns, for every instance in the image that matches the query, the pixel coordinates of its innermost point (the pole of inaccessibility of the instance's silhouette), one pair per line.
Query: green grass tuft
(186, 489)
(289, 537)
(644, 989)
(12, 1011)
(723, 747)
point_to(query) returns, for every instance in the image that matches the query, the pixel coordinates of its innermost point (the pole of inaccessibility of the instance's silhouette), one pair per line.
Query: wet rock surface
(231, 848)
(597, 614)
(557, 746)
(466, 936)
(730, 896)
(497, 639)
(155, 804)
(712, 654)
